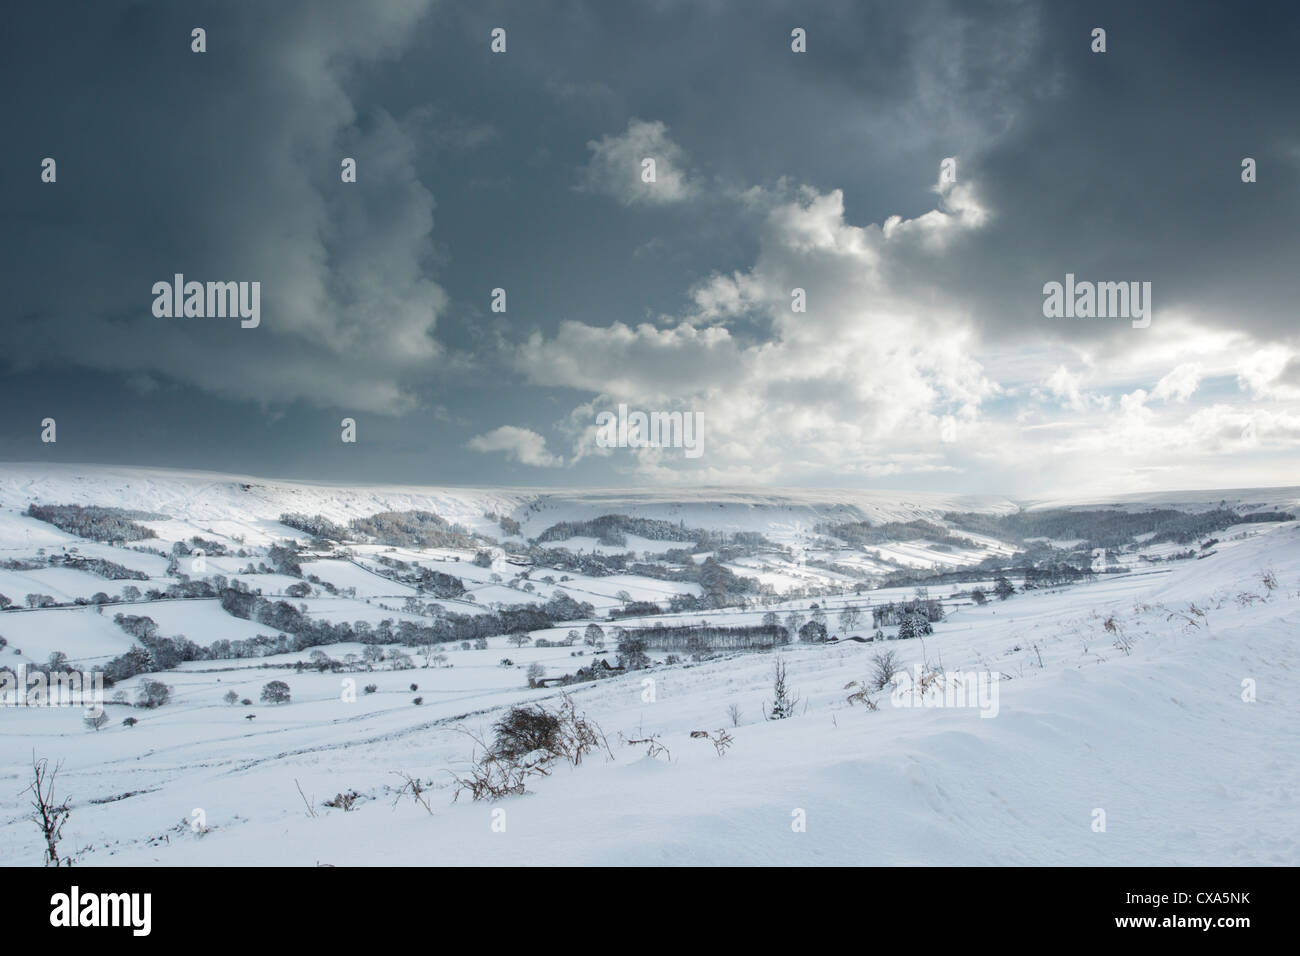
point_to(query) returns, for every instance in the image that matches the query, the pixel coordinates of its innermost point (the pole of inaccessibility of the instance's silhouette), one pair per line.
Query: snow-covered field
(1140, 718)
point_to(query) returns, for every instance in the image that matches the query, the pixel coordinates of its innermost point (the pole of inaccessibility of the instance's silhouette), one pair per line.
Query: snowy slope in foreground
(1159, 739)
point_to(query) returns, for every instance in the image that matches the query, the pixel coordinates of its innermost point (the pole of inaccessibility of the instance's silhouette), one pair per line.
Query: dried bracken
(528, 740)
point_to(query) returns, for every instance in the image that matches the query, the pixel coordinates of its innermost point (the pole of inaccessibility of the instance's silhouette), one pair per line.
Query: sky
(922, 359)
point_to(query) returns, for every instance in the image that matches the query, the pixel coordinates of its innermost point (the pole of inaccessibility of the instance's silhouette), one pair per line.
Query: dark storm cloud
(220, 166)
(1127, 166)
(478, 171)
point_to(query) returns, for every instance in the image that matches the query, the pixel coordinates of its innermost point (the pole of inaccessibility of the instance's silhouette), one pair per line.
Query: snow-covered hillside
(1143, 717)
(235, 503)
(247, 505)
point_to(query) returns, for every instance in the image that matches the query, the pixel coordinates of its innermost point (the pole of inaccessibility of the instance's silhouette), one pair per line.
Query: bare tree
(275, 692)
(885, 666)
(733, 712)
(48, 813)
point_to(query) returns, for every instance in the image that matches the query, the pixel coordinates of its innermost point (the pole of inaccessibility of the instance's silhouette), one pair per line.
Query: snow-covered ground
(1175, 723)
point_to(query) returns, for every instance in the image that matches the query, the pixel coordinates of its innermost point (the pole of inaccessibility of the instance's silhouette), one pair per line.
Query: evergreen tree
(632, 651)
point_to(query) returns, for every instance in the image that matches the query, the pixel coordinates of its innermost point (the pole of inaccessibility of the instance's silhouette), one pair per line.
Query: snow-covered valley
(1139, 715)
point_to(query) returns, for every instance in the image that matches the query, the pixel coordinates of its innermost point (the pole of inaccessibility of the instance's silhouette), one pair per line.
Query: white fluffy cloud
(868, 381)
(1180, 384)
(518, 444)
(615, 167)
(882, 377)
(1270, 373)
(1063, 385)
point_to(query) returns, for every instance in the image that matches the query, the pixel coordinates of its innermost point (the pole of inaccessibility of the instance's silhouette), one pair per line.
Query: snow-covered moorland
(1142, 712)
